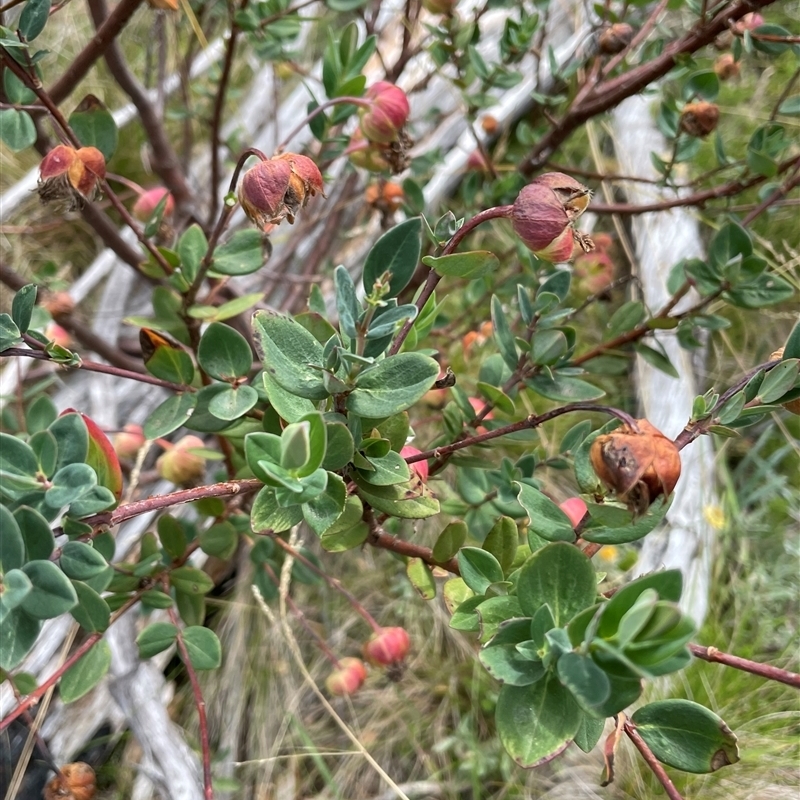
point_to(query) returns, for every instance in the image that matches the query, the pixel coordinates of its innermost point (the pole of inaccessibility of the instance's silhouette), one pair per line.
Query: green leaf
(421, 578)
(203, 647)
(479, 569)
(470, 265)
(169, 415)
(165, 359)
(537, 722)
(585, 680)
(450, 541)
(322, 511)
(504, 661)
(86, 673)
(614, 525)
(269, 515)
(172, 535)
(33, 18)
(346, 301)
(560, 576)
(69, 483)
(547, 520)
(9, 332)
(402, 500)
(394, 385)
(191, 580)
(44, 445)
(17, 129)
(242, 254)
(396, 252)
(502, 334)
(589, 732)
(730, 241)
(564, 388)
(22, 308)
(12, 544)
(81, 561)
(192, 247)
(687, 736)
(156, 638)
(655, 358)
(94, 126)
(92, 612)
(233, 402)
(792, 347)
(18, 633)
(288, 350)
(286, 405)
(220, 540)
(548, 346)
(778, 381)
(340, 447)
(227, 310)
(17, 458)
(52, 593)
(790, 106)
(502, 542)
(16, 587)
(224, 353)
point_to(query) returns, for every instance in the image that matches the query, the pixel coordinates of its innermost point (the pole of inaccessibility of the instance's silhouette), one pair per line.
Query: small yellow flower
(609, 553)
(715, 517)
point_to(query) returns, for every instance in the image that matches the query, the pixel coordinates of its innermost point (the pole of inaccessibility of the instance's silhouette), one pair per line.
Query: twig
(433, 277)
(199, 701)
(652, 761)
(353, 101)
(96, 366)
(767, 671)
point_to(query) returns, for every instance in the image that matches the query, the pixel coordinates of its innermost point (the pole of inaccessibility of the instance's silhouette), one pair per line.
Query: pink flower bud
(390, 646)
(55, 333)
(348, 678)
(574, 508)
(387, 114)
(749, 22)
(148, 201)
(129, 441)
(420, 467)
(178, 465)
(476, 162)
(544, 212)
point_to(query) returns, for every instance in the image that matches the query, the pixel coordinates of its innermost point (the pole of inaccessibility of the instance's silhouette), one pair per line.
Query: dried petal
(420, 467)
(574, 196)
(263, 190)
(57, 162)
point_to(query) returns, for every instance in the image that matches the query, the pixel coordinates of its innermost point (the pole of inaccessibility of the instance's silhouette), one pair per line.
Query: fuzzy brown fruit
(76, 781)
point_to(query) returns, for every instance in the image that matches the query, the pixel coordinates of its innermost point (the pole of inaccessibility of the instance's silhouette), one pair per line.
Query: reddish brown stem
(95, 366)
(652, 761)
(767, 671)
(199, 701)
(433, 278)
(385, 541)
(84, 648)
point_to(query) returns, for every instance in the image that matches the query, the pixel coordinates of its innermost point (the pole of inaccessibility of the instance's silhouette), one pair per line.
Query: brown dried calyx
(615, 38)
(71, 176)
(639, 466)
(75, 781)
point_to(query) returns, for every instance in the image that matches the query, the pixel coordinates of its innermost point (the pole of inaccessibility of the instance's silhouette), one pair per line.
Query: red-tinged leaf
(102, 457)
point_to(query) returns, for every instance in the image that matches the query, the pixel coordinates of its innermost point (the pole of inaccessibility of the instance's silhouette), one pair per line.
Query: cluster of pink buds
(71, 175)
(381, 142)
(544, 216)
(277, 188)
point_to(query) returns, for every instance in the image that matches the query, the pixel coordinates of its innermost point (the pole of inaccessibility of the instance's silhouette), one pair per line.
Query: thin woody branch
(652, 761)
(767, 671)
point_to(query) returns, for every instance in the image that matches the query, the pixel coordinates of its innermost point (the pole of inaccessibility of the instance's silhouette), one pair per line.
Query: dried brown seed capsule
(76, 781)
(700, 118)
(726, 67)
(615, 38)
(639, 467)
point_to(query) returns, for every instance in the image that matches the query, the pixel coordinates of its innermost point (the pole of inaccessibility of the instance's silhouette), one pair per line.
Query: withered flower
(71, 175)
(544, 214)
(639, 467)
(76, 781)
(726, 67)
(277, 188)
(699, 119)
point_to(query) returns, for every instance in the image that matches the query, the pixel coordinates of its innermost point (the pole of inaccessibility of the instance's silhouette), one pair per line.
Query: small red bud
(387, 114)
(129, 441)
(390, 646)
(574, 508)
(55, 333)
(180, 466)
(420, 467)
(148, 201)
(477, 162)
(348, 678)
(749, 22)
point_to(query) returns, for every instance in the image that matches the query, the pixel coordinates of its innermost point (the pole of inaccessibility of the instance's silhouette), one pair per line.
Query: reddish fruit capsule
(148, 201)
(699, 119)
(348, 678)
(178, 465)
(76, 781)
(129, 441)
(390, 646)
(575, 509)
(615, 38)
(420, 467)
(387, 113)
